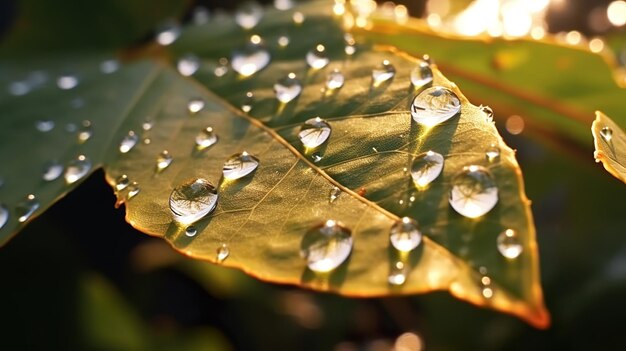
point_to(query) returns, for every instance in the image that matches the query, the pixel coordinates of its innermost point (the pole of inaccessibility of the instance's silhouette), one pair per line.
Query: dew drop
(240, 165)
(252, 58)
(222, 253)
(397, 274)
(195, 105)
(326, 246)
(128, 142)
(474, 192)
(192, 200)
(4, 215)
(222, 67)
(283, 41)
(206, 138)
(67, 82)
(314, 132)
(383, 73)
(76, 169)
(606, 133)
(422, 74)
(426, 167)
(316, 157)
(283, 5)
(163, 160)
(334, 194)
(147, 125)
(109, 66)
(44, 126)
(435, 105)
(509, 244)
(485, 284)
(25, 209)
(200, 15)
(248, 101)
(19, 88)
(298, 17)
(191, 231)
(85, 131)
(335, 80)
(317, 58)
(492, 153)
(350, 50)
(405, 235)
(287, 88)
(168, 33)
(52, 171)
(488, 111)
(188, 65)
(122, 182)
(133, 189)
(248, 15)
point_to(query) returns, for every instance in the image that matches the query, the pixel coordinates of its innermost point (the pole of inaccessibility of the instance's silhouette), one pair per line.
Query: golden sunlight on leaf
(610, 145)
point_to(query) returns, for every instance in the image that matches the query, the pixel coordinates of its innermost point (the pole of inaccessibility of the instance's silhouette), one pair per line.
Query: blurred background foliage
(91, 282)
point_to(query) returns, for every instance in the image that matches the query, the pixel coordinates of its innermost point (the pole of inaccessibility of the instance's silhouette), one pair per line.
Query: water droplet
(200, 15)
(334, 194)
(248, 101)
(52, 171)
(85, 132)
(164, 160)
(168, 33)
(326, 246)
(350, 50)
(283, 41)
(195, 105)
(426, 167)
(109, 66)
(19, 88)
(335, 80)
(488, 111)
(147, 125)
(25, 209)
(317, 58)
(191, 231)
(485, 284)
(67, 82)
(316, 157)
(397, 274)
(252, 58)
(129, 142)
(492, 153)
(147, 141)
(298, 17)
(192, 200)
(383, 73)
(474, 192)
(76, 169)
(188, 65)
(287, 88)
(248, 15)
(405, 235)
(435, 105)
(421, 74)
(509, 244)
(133, 189)
(283, 5)
(122, 182)
(240, 165)
(222, 67)
(205, 138)
(606, 133)
(222, 253)
(44, 125)
(4, 215)
(314, 132)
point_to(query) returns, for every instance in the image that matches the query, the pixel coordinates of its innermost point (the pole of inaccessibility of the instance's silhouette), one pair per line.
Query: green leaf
(610, 142)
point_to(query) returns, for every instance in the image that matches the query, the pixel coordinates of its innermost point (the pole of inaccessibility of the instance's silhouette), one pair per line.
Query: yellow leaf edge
(606, 151)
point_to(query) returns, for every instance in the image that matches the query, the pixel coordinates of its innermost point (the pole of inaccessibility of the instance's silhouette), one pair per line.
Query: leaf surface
(610, 142)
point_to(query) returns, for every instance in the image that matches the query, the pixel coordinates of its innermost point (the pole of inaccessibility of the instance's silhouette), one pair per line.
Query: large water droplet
(509, 244)
(335, 80)
(426, 167)
(326, 246)
(240, 165)
(383, 73)
(191, 231)
(248, 15)
(109, 66)
(52, 171)
(163, 160)
(128, 142)
(4, 215)
(25, 209)
(168, 33)
(188, 65)
(492, 153)
(85, 131)
(405, 235)
(122, 182)
(606, 133)
(67, 81)
(246, 105)
(45, 125)
(195, 105)
(314, 132)
(435, 105)
(192, 200)
(287, 88)
(205, 138)
(422, 74)
(317, 58)
(251, 58)
(333, 194)
(474, 192)
(76, 169)
(397, 274)
(222, 253)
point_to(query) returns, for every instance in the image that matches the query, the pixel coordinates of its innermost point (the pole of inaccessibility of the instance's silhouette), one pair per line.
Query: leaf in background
(610, 142)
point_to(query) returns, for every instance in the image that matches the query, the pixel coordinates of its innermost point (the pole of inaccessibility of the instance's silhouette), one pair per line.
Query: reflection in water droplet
(77, 169)
(191, 231)
(85, 132)
(606, 133)
(192, 200)
(52, 171)
(248, 101)
(314, 132)
(509, 244)
(316, 157)
(326, 246)
(383, 73)
(421, 74)
(25, 209)
(435, 105)
(405, 235)
(252, 58)
(67, 82)
(222, 67)
(317, 58)
(195, 105)
(283, 41)
(19, 88)
(488, 111)
(334, 194)
(205, 138)
(128, 142)
(426, 167)
(4, 215)
(200, 15)
(287, 88)
(248, 15)
(283, 5)
(335, 80)
(133, 189)
(474, 192)
(44, 125)
(168, 33)
(397, 274)
(122, 182)
(222, 253)
(163, 160)
(492, 153)
(109, 66)
(188, 65)
(298, 17)
(240, 165)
